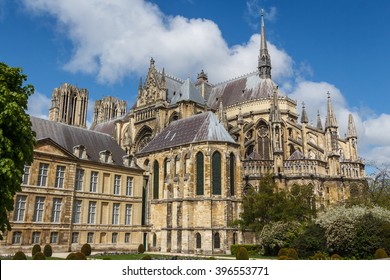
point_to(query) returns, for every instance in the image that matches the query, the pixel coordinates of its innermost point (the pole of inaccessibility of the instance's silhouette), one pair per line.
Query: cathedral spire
(304, 118)
(319, 122)
(331, 121)
(351, 127)
(264, 60)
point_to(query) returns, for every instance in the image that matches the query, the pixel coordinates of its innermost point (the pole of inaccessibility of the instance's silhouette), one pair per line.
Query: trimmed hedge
(86, 249)
(35, 249)
(47, 250)
(242, 254)
(76, 256)
(380, 254)
(146, 257)
(39, 256)
(252, 249)
(19, 255)
(141, 249)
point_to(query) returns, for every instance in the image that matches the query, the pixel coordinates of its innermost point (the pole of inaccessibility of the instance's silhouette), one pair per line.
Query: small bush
(35, 249)
(282, 252)
(283, 257)
(19, 255)
(211, 258)
(336, 257)
(76, 256)
(39, 256)
(251, 248)
(292, 254)
(380, 254)
(86, 249)
(47, 250)
(141, 249)
(319, 256)
(146, 257)
(242, 254)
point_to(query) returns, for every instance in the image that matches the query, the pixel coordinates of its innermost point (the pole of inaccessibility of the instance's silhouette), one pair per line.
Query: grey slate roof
(188, 92)
(231, 92)
(68, 136)
(195, 129)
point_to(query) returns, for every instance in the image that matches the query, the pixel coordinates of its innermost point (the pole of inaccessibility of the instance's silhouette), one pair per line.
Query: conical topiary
(242, 254)
(19, 255)
(141, 249)
(86, 249)
(39, 256)
(35, 249)
(47, 250)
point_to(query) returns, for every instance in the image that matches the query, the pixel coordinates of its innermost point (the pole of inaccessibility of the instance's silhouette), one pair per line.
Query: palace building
(188, 151)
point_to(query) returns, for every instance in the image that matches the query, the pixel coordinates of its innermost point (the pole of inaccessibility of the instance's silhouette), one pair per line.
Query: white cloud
(38, 105)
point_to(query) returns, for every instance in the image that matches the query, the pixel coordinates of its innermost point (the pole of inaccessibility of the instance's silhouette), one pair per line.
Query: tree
(16, 137)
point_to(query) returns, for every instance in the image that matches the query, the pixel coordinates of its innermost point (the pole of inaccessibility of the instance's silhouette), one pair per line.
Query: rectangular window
(90, 237)
(56, 211)
(17, 237)
(20, 207)
(36, 237)
(114, 237)
(129, 186)
(77, 212)
(54, 237)
(117, 184)
(127, 237)
(39, 206)
(26, 175)
(91, 212)
(75, 237)
(115, 214)
(78, 184)
(128, 214)
(60, 175)
(94, 181)
(42, 174)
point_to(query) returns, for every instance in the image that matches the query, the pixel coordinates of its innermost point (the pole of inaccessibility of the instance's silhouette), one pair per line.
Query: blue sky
(105, 46)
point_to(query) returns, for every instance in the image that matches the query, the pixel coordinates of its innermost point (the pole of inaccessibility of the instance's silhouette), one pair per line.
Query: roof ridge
(170, 76)
(237, 77)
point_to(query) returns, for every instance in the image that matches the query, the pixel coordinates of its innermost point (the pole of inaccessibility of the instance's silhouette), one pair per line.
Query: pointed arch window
(232, 173)
(216, 173)
(165, 168)
(217, 241)
(198, 240)
(263, 147)
(199, 174)
(156, 180)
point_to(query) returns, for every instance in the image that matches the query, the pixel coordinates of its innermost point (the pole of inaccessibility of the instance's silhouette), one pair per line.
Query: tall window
(127, 237)
(54, 237)
(94, 181)
(56, 211)
(91, 212)
(156, 180)
(26, 175)
(217, 241)
(17, 237)
(75, 237)
(165, 168)
(20, 207)
(115, 214)
(90, 237)
(38, 211)
(232, 173)
(129, 186)
(114, 237)
(78, 184)
(77, 212)
(199, 174)
(42, 174)
(216, 173)
(117, 184)
(198, 240)
(36, 237)
(128, 214)
(60, 175)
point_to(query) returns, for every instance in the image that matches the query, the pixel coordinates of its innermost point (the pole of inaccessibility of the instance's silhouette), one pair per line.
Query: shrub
(146, 257)
(141, 249)
(86, 249)
(211, 258)
(39, 256)
(380, 254)
(242, 254)
(336, 257)
(283, 257)
(47, 250)
(319, 256)
(292, 254)
(252, 249)
(19, 255)
(76, 256)
(35, 249)
(310, 241)
(282, 252)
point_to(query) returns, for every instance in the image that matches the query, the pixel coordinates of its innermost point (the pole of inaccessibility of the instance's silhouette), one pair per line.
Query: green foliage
(380, 254)
(252, 249)
(76, 256)
(282, 252)
(39, 256)
(319, 256)
(292, 254)
(270, 205)
(146, 257)
(211, 258)
(283, 257)
(35, 249)
(311, 240)
(16, 138)
(47, 250)
(141, 249)
(242, 254)
(86, 249)
(336, 257)
(19, 255)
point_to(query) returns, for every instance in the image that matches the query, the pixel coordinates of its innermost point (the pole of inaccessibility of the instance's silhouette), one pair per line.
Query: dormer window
(80, 151)
(105, 156)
